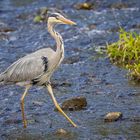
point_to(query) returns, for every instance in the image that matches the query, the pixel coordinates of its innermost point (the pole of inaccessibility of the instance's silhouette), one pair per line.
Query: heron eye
(57, 17)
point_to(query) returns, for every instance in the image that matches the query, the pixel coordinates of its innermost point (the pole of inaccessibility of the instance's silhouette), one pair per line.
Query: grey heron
(37, 68)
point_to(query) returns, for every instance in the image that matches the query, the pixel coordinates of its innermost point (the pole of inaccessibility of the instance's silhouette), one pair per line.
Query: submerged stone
(71, 60)
(73, 104)
(119, 5)
(84, 6)
(4, 36)
(113, 116)
(61, 131)
(12, 121)
(37, 103)
(7, 29)
(62, 134)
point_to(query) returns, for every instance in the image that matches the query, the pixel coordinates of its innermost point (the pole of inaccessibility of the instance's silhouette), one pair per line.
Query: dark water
(89, 73)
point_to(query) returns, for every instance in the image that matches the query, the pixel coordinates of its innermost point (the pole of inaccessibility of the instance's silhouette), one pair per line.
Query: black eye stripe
(54, 15)
(57, 17)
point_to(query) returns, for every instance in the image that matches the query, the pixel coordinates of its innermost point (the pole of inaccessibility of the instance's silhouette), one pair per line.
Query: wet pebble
(72, 60)
(73, 104)
(135, 119)
(4, 36)
(61, 131)
(37, 103)
(119, 5)
(84, 6)
(113, 116)
(32, 121)
(92, 26)
(23, 16)
(115, 29)
(137, 26)
(12, 121)
(63, 84)
(7, 29)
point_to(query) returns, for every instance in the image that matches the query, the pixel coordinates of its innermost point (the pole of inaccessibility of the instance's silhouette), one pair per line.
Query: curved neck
(57, 37)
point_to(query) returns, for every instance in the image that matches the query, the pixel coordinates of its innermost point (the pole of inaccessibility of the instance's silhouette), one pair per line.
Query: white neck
(57, 37)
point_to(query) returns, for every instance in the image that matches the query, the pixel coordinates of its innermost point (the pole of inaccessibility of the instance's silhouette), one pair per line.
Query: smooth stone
(7, 29)
(73, 104)
(37, 103)
(113, 116)
(61, 131)
(84, 6)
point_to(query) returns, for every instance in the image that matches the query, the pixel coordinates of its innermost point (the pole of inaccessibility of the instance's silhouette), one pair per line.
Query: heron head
(55, 16)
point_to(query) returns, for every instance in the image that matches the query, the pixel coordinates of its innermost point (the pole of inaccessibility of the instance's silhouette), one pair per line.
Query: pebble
(61, 131)
(12, 121)
(84, 6)
(37, 103)
(113, 116)
(77, 103)
(7, 29)
(72, 60)
(119, 5)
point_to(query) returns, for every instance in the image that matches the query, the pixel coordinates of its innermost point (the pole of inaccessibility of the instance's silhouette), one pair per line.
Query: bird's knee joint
(58, 107)
(48, 83)
(21, 100)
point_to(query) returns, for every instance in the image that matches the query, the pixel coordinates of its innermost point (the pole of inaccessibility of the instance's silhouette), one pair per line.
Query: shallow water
(90, 74)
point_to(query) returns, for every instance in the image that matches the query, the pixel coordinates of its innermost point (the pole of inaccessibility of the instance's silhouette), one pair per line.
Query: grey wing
(25, 69)
(29, 67)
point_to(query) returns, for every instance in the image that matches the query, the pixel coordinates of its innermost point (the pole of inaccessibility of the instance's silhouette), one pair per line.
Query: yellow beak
(67, 21)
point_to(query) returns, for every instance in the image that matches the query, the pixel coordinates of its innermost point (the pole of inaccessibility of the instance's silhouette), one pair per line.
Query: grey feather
(27, 68)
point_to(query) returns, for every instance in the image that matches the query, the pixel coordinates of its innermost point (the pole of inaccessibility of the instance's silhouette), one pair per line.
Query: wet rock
(137, 26)
(7, 29)
(71, 60)
(23, 3)
(61, 131)
(4, 36)
(135, 119)
(84, 6)
(32, 121)
(66, 84)
(73, 104)
(119, 5)
(37, 103)
(12, 121)
(63, 84)
(115, 29)
(23, 16)
(113, 116)
(62, 134)
(92, 26)
(76, 49)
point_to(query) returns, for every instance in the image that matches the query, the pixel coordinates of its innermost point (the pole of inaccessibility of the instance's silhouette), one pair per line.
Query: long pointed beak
(67, 21)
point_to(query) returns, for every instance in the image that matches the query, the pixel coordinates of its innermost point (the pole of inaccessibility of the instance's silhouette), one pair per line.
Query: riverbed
(85, 72)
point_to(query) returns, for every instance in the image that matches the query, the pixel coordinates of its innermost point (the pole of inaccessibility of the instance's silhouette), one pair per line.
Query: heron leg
(22, 105)
(57, 105)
